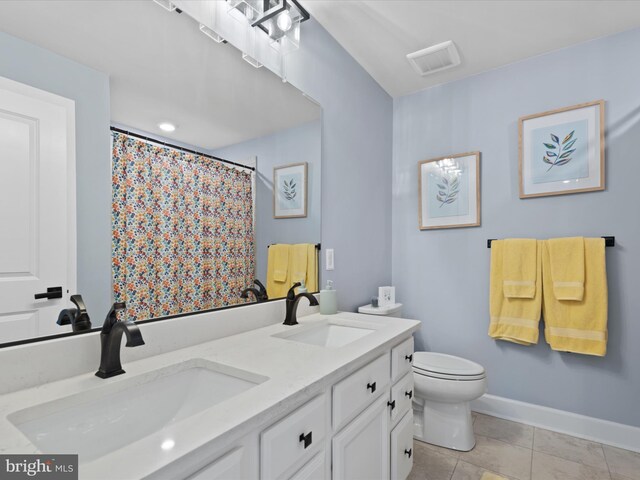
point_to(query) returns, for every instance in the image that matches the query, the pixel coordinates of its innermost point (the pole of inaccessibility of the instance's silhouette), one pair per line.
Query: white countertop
(296, 371)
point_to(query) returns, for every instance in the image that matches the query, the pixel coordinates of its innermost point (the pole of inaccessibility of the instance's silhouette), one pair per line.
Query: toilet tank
(394, 310)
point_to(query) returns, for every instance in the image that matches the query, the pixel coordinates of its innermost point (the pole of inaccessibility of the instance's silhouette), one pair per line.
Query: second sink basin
(104, 419)
(329, 335)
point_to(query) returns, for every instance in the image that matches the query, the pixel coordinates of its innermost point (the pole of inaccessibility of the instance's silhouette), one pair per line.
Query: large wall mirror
(142, 162)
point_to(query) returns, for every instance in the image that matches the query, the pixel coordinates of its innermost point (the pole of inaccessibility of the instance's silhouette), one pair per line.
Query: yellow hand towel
(312, 268)
(277, 270)
(298, 263)
(513, 319)
(567, 267)
(578, 326)
(520, 267)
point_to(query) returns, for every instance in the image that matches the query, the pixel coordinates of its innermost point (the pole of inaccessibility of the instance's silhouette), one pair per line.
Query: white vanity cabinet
(360, 428)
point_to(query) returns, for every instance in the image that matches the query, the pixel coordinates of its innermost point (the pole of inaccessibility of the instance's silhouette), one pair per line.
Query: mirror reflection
(147, 166)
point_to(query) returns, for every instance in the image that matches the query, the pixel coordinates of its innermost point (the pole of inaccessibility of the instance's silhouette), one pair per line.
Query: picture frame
(449, 191)
(290, 190)
(562, 151)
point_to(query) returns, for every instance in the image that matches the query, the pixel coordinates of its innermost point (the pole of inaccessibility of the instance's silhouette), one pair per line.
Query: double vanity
(328, 398)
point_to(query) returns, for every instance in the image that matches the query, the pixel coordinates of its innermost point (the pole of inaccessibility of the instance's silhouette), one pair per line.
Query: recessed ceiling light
(167, 127)
(168, 444)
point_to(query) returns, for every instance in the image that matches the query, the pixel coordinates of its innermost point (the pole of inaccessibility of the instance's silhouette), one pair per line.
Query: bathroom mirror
(163, 147)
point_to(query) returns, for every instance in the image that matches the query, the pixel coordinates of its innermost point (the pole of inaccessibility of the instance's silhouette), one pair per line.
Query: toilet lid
(440, 363)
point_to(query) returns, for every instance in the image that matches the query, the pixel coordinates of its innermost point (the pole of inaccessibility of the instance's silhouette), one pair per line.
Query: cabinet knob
(371, 386)
(409, 393)
(307, 439)
(409, 358)
(408, 453)
(392, 404)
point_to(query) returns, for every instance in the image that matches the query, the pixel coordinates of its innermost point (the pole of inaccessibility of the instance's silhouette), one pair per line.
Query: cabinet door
(315, 469)
(361, 450)
(402, 448)
(401, 396)
(226, 467)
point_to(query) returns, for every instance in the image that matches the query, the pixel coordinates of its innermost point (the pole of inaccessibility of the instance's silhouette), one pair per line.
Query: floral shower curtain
(183, 235)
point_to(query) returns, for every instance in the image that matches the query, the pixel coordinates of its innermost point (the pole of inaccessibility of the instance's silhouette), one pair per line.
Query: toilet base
(446, 425)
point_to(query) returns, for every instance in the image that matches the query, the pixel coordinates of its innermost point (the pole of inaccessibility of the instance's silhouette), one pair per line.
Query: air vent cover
(435, 59)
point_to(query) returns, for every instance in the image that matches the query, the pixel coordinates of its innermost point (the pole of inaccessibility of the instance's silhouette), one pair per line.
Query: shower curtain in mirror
(183, 235)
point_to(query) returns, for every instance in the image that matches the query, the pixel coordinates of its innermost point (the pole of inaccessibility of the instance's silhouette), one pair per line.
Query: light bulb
(284, 21)
(167, 127)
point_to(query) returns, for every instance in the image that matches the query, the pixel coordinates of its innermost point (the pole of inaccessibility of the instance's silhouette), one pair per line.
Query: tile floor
(514, 451)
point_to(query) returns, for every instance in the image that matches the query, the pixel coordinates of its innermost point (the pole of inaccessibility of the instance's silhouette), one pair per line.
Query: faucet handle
(291, 294)
(79, 303)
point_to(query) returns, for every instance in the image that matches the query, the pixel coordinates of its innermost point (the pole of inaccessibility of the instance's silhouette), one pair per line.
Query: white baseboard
(589, 428)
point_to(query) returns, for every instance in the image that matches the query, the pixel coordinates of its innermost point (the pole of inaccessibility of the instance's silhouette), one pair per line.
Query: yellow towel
(520, 267)
(298, 263)
(513, 319)
(578, 326)
(312, 268)
(566, 256)
(277, 270)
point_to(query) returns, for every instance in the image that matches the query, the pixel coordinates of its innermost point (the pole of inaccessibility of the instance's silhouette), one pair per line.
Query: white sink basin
(329, 335)
(106, 418)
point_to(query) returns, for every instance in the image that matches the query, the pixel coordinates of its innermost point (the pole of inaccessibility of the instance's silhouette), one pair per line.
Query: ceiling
(162, 68)
(488, 33)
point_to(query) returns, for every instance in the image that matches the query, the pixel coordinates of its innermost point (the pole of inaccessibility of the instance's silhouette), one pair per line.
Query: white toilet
(443, 387)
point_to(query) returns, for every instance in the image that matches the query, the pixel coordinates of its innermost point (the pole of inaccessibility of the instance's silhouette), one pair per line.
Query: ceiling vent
(435, 59)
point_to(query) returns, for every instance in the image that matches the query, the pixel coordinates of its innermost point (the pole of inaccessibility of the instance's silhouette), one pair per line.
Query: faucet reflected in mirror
(77, 317)
(259, 292)
(110, 340)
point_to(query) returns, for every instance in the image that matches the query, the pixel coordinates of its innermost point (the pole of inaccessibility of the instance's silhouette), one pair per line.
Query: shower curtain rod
(182, 149)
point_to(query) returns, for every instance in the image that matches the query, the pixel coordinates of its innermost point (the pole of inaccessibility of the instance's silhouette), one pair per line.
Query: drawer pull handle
(392, 404)
(371, 386)
(408, 453)
(409, 393)
(409, 357)
(306, 439)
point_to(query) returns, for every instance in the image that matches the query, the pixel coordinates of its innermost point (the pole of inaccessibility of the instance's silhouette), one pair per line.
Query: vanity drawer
(358, 390)
(293, 440)
(315, 469)
(402, 448)
(401, 394)
(401, 358)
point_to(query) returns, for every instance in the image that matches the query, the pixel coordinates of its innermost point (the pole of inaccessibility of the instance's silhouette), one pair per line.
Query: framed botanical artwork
(449, 191)
(290, 191)
(562, 151)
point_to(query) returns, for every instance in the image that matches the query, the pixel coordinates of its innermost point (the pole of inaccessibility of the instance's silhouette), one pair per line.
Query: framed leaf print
(562, 151)
(449, 191)
(290, 191)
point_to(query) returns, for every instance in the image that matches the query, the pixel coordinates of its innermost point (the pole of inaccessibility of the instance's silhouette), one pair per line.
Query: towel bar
(317, 246)
(608, 241)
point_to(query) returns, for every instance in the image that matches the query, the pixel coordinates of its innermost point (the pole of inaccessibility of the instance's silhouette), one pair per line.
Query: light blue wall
(442, 275)
(40, 68)
(294, 145)
(356, 163)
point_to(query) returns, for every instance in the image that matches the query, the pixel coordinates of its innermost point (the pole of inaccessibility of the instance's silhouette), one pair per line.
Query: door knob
(51, 293)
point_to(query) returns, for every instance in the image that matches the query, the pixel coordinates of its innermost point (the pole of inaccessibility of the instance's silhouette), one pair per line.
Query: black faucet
(110, 340)
(260, 293)
(77, 317)
(292, 301)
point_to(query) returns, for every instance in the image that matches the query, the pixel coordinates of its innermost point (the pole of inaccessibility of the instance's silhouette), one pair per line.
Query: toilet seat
(447, 367)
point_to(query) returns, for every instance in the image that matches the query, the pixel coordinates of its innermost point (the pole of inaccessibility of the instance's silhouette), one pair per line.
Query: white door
(37, 209)
(361, 450)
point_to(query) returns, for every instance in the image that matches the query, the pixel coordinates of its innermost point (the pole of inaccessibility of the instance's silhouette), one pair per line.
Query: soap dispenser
(328, 300)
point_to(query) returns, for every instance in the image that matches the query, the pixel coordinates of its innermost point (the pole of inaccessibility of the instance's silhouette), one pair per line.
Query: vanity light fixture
(167, 127)
(166, 4)
(211, 34)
